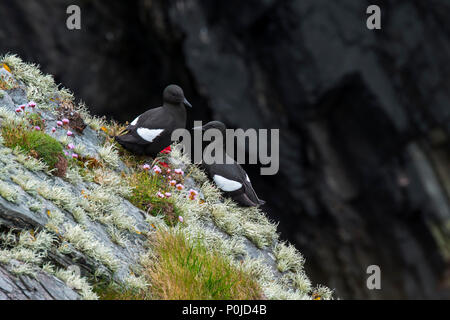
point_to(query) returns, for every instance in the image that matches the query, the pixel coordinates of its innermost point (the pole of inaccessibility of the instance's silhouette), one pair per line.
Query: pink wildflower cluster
(61, 124)
(22, 107)
(192, 194)
(157, 169)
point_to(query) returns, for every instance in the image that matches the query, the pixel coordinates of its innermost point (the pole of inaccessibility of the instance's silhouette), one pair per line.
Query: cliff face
(63, 232)
(364, 115)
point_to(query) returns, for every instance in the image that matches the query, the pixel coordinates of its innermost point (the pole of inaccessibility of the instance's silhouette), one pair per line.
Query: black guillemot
(151, 132)
(229, 176)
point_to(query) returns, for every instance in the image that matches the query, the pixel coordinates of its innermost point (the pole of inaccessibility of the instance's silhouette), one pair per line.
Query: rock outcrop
(60, 236)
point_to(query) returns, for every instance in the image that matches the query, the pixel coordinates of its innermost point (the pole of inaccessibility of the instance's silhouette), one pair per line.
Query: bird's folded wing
(147, 127)
(225, 184)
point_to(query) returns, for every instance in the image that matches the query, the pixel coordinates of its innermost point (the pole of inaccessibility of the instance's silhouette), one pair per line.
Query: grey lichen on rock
(59, 236)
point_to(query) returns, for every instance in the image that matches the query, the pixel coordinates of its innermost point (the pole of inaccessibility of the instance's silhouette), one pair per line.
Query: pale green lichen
(26, 182)
(60, 196)
(94, 122)
(103, 205)
(136, 283)
(299, 280)
(73, 175)
(117, 236)
(257, 269)
(109, 155)
(110, 179)
(323, 292)
(75, 281)
(26, 250)
(28, 162)
(39, 87)
(23, 269)
(79, 215)
(86, 242)
(56, 218)
(8, 192)
(288, 258)
(34, 206)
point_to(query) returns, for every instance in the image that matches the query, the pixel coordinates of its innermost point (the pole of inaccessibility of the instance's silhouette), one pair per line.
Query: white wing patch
(248, 179)
(134, 121)
(225, 184)
(149, 134)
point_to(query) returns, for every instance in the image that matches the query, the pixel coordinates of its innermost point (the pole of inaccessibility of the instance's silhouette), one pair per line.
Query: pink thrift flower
(70, 146)
(168, 194)
(18, 110)
(32, 104)
(59, 123)
(179, 171)
(192, 194)
(74, 155)
(160, 195)
(65, 121)
(65, 152)
(180, 218)
(179, 186)
(146, 167)
(37, 128)
(69, 133)
(156, 169)
(22, 107)
(172, 183)
(53, 129)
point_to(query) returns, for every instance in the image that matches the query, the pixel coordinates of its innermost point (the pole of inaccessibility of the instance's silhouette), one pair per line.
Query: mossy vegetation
(36, 143)
(144, 195)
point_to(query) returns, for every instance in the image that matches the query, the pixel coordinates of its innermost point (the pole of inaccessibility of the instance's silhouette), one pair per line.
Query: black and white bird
(151, 132)
(229, 176)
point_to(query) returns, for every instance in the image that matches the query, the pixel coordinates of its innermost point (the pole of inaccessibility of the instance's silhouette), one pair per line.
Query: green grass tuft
(36, 143)
(145, 187)
(190, 271)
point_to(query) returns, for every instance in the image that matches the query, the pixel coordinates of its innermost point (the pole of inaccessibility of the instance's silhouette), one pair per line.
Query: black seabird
(151, 132)
(230, 177)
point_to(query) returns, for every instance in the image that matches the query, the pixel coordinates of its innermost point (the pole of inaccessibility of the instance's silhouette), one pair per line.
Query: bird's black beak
(186, 103)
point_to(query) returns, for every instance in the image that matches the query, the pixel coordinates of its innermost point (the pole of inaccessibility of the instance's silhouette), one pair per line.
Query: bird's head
(173, 94)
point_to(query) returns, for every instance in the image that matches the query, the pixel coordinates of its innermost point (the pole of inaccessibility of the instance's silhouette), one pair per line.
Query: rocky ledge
(62, 232)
